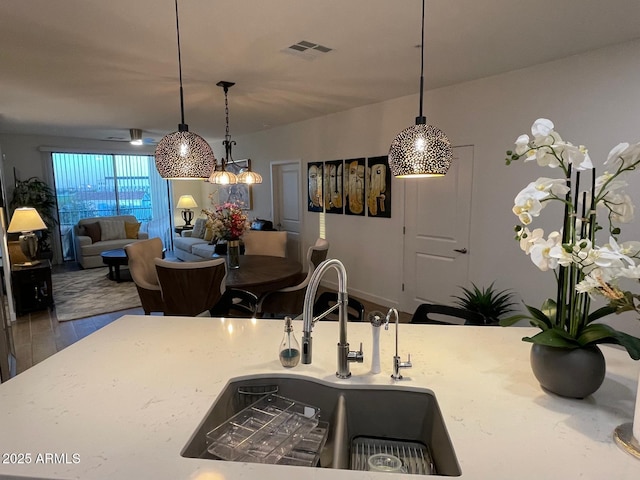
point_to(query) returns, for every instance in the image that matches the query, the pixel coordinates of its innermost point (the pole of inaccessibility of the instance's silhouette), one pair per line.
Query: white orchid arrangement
(583, 269)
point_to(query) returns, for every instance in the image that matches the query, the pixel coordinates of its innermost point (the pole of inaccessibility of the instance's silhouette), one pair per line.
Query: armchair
(141, 256)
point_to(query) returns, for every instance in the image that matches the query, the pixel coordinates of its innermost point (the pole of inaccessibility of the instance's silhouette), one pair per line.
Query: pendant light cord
(180, 70)
(421, 119)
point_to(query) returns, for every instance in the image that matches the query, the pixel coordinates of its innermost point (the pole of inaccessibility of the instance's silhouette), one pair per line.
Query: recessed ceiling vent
(307, 50)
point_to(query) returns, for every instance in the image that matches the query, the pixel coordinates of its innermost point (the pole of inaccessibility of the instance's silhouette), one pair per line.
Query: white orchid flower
(545, 157)
(631, 248)
(611, 185)
(530, 238)
(630, 272)
(621, 207)
(623, 155)
(540, 252)
(527, 203)
(557, 186)
(541, 130)
(590, 285)
(522, 144)
(577, 156)
(614, 251)
(563, 257)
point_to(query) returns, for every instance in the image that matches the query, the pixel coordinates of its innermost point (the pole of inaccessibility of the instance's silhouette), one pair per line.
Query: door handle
(460, 250)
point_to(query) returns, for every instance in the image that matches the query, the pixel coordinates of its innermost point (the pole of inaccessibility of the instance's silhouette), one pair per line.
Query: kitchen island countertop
(123, 402)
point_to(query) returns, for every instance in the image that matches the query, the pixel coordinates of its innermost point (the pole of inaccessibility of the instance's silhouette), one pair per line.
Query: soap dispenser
(289, 350)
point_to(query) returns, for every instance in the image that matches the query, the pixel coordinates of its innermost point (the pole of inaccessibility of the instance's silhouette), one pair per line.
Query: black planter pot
(568, 372)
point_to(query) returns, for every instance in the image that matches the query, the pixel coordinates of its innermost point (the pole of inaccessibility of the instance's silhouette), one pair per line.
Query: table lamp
(25, 220)
(186, 202)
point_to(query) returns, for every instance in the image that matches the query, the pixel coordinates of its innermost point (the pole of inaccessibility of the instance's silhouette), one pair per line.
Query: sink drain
(415, 456)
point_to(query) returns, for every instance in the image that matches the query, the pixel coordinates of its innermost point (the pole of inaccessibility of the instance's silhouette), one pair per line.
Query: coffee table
(114, 259)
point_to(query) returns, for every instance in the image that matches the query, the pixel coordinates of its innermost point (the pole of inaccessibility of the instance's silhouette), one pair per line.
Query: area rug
(86, 293)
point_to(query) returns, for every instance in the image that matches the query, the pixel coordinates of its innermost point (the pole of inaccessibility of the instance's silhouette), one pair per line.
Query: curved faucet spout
(344, 355)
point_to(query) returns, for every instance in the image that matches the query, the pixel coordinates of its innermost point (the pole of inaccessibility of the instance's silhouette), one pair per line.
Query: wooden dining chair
(141, 256)
(290, 300)
(191, 288)
(258, 242)
(433, 313)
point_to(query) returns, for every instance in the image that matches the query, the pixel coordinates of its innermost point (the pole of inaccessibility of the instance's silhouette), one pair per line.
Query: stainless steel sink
(362, 420)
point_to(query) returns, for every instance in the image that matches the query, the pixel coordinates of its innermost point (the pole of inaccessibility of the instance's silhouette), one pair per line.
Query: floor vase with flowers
(568, 372)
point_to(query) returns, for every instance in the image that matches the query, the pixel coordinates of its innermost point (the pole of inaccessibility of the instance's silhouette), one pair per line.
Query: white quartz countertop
(123, 402)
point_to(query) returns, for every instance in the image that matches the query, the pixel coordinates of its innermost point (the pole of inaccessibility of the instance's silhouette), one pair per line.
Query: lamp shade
(420, 151)
(183, 155)
(26, 219)
(222, 177)
(249, 177)
(186, 201)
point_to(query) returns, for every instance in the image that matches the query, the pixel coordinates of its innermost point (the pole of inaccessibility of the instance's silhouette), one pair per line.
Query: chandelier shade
(420, 150)
(222, 177)
(249, 177)
(183, 155)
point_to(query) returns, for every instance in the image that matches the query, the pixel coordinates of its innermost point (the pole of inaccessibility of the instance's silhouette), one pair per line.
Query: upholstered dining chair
(191, 288)
(290, 300)
(141, 256)
(446, 315)
(259, 242)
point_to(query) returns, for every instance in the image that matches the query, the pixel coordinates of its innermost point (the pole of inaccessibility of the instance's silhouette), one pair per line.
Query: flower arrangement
(227, 221)
(583, 269)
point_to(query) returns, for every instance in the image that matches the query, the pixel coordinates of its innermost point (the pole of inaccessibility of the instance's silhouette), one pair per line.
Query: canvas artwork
(378, 187)
(240, 193)
(314, 176)
(354, 181)
(333, 191)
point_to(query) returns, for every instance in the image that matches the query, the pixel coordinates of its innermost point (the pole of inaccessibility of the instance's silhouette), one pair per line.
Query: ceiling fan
(136, 137)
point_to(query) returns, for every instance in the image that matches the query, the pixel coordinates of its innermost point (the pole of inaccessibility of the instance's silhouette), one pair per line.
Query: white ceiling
(95, 68)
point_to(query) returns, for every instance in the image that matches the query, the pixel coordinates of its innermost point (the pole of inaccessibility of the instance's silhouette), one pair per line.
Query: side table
(32, 287)
(182, 228)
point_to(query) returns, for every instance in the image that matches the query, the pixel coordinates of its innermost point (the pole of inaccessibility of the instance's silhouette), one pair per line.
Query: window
(99, 185)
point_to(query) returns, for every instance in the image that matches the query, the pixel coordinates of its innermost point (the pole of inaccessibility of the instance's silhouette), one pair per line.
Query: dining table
(260, 274)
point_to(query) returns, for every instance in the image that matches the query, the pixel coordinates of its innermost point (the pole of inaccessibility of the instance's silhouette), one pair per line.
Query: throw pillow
(92, 230)
(208, 234)
(132, 229)
(199, 228)
(112, 229)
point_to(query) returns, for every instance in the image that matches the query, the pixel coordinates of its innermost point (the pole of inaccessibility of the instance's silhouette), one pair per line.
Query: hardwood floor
(39, 335)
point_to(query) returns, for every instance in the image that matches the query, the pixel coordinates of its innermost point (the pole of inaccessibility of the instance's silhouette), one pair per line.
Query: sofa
(92, 236)
(198, 244)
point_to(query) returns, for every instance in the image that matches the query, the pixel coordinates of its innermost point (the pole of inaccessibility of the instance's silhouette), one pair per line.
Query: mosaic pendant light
(420, 150)
(183, 155)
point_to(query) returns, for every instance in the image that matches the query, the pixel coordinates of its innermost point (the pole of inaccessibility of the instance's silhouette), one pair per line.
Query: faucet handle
(406, 364)
(356, 356)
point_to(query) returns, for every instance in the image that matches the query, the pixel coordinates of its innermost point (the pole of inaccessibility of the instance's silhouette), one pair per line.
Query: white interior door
(436, 240)
(287, 207)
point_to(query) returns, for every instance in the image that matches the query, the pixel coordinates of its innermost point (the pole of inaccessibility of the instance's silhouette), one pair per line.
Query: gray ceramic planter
(568, 372)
